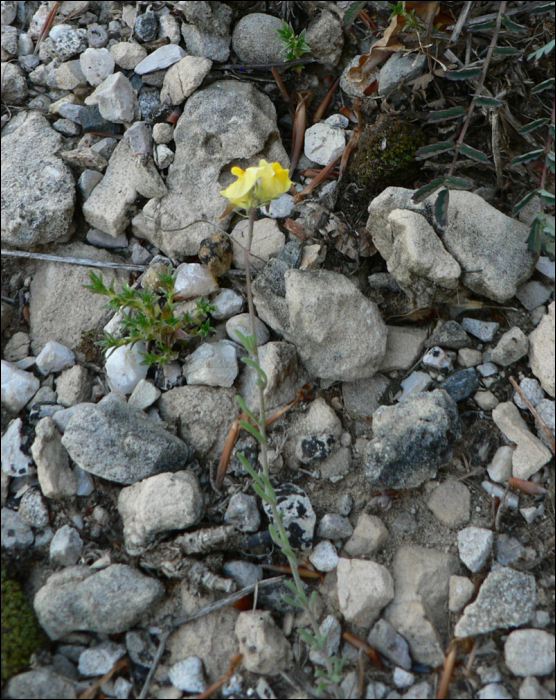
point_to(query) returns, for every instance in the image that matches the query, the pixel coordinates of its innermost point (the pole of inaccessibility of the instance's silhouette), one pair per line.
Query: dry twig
(234, 660)
(72, 261)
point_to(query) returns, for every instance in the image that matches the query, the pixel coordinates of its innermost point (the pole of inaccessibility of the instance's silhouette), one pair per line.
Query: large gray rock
(490, 248)
(60, 308)
(339, 333)
(229, 123)
(107, 602)
(412, 439)
(205, 416)
(422, 580)
(38, 189)
(120, 443)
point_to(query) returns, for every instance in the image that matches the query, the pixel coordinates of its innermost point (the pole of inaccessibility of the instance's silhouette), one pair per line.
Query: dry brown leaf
(388, 44)
(421, 82)
(296, 229)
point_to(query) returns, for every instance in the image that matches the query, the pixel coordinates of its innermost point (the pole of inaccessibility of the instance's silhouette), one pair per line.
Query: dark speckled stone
(462, 384)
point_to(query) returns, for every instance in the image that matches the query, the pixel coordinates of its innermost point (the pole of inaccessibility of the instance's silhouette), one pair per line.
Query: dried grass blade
(47, 25)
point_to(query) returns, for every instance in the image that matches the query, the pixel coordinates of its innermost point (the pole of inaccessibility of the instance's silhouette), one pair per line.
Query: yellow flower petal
(257, 185)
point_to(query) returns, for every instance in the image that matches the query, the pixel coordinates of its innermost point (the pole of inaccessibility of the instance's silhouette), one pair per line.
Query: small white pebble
(403, 678)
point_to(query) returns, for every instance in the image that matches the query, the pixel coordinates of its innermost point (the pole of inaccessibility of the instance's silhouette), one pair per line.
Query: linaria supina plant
(254, 187)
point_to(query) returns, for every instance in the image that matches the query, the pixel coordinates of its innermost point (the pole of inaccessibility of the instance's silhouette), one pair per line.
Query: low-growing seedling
(151, 317)
(293, 45)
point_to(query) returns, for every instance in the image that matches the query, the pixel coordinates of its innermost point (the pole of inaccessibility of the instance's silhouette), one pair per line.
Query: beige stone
(541, 351)
(267, 242)
(263, 645)
(451, 503)
(403, 347)
(369, 535)
(364, 588)
(530, 454)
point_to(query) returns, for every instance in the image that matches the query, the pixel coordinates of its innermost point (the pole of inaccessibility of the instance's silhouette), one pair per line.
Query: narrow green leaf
(441, 207)
(513, 26)
(262, 379)
(291, 586)
(506, 51)
(543, 51)
(533, 125)
(320, 687)
(352, 12)
(527, 157)
(313, 599)
(244, 408)
(291, 601)
(492, 102)
(445, 114)
(519, 206)
(550, 162)
(458, 183)
(463, 74)
(276, 537)
(549, 7)
(425, 191)
(482, 26)
(248, 340)
(473, 153)
(534, 240)
(546, 197)
(307, 637)
(254, 432)
(434, 149)
(542, 86)
(260, 492)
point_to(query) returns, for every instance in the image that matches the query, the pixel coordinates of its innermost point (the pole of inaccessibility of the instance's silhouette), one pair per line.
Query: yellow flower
(257, 185)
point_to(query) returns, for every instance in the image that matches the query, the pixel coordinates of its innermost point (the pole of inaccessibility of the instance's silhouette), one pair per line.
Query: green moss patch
(21, 634)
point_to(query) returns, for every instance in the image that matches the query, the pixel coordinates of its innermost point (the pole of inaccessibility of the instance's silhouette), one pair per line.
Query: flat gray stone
(120, 443)
(60, 308)
(128, 175)
(506, 599)
(339, 333)
(109, 601)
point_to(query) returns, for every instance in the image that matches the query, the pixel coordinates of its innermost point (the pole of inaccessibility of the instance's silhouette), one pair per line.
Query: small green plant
(151, 318)
(293, 45)
(253, 187)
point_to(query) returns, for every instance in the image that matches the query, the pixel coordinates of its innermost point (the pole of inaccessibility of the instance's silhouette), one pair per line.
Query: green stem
(250, 306)
(283, 535)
